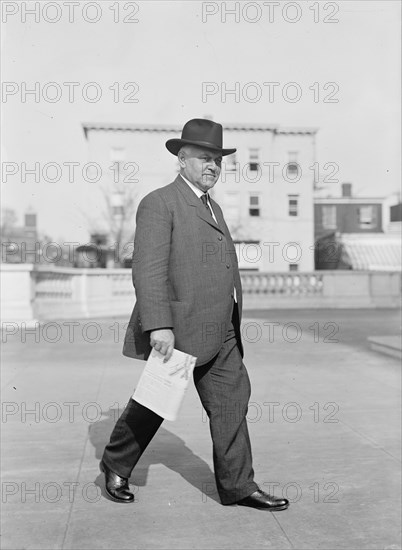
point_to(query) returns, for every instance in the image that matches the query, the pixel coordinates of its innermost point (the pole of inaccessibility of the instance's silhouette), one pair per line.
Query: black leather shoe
(116, 487)
(262, 500)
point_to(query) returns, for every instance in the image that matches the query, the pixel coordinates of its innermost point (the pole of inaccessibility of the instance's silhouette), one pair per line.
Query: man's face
(200, 166)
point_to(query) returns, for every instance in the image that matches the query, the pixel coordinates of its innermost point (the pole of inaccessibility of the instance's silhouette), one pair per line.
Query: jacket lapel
(218, 214)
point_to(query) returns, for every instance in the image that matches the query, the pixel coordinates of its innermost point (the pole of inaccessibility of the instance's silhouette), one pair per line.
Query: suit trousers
(223, 386)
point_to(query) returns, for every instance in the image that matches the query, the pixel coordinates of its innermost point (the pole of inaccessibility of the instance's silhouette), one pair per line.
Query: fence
(28, 293)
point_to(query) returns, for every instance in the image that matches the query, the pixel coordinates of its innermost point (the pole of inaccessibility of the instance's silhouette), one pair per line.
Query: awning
(374, 252)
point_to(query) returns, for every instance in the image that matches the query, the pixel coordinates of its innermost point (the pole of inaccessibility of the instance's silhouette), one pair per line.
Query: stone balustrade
(60, 293)
(282, 284)
(322, 289)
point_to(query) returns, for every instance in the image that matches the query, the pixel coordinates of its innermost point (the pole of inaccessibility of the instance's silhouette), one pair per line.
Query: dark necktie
(204, 199)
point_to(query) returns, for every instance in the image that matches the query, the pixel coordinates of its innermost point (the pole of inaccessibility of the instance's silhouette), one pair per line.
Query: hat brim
(174, 146)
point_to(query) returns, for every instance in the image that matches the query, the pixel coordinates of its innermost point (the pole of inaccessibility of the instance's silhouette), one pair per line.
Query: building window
(118, 157)
(254, 205)
(293, 205)
(293, 167)
(367, 217)
(254, 163)
(293, 267)
(329, 216)
(231, 206)
(117, 203)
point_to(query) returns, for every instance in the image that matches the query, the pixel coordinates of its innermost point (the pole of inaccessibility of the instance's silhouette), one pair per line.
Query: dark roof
(348, 200)
(174, 128)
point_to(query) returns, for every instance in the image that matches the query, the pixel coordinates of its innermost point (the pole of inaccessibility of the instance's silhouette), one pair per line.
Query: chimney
(30, 220)
(30, 224)
(346, 189)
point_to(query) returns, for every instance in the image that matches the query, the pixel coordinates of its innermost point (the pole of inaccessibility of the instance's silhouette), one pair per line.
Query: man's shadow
(166, 448)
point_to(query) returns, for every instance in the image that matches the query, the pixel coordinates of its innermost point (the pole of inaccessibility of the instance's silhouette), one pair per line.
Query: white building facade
(265, 190)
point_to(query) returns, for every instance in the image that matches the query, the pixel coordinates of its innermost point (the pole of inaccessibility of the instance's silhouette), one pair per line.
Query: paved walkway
(323, 418)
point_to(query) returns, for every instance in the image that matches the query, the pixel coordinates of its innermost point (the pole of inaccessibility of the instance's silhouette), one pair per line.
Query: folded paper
(162, 386)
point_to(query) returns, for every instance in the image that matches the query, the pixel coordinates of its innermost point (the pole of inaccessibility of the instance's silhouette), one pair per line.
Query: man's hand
(163, 341)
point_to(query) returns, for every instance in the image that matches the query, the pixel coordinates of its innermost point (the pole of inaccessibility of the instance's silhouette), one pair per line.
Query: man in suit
(189, 296)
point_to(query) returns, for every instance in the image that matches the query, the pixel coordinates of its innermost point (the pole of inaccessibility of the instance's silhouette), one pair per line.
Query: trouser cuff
(231, 497)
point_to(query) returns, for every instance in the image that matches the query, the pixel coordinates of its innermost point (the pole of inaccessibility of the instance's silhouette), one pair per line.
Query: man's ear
(182, 159)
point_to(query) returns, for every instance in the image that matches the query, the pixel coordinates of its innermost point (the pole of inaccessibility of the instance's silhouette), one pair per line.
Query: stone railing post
(17, 293)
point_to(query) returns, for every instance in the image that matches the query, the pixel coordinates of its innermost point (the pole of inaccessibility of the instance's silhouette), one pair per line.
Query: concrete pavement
(324, 421)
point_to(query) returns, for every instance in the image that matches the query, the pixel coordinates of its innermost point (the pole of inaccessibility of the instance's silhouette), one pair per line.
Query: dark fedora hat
(201, 132)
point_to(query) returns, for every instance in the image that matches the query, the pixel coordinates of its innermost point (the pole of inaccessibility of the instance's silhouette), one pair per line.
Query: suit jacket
(184, 272)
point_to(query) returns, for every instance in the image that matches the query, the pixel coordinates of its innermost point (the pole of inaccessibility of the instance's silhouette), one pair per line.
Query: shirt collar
(197, 191)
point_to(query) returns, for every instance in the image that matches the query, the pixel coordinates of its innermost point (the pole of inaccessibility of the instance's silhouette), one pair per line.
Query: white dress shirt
(199, 194)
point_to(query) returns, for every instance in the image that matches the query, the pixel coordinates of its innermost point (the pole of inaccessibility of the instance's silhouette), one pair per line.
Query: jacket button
(220, 238)
(228, 266)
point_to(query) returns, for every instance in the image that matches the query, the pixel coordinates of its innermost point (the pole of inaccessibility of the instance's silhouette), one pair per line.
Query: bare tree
(238, 231)
(121, 203)
(116, 221)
